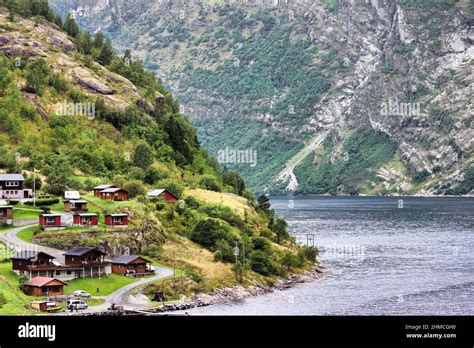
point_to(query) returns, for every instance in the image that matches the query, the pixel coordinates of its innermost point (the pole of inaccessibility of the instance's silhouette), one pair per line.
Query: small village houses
(165, 194)
(85, 219)
(116, 220)
(114, 194)
(44, 286)
(6, 215)
(131, 265)
(12, 187)
(51, 221)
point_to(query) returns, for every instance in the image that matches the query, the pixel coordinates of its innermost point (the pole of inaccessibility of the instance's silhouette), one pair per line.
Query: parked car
(81, 293)
(76, 304)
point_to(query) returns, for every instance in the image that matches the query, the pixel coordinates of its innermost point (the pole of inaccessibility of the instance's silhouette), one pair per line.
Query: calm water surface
(384, 256)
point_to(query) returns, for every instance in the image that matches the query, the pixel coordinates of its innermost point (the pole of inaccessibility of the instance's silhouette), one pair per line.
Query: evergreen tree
(70, 26)
(106, 54)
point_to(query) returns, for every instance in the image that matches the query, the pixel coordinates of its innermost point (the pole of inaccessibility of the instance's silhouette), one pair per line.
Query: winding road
(120, 297)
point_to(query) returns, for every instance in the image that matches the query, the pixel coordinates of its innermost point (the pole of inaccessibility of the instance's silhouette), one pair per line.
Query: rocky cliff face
(402, 69)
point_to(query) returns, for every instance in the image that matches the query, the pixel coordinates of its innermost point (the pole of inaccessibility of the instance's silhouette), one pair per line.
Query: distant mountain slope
(78, 115)
(387, 84)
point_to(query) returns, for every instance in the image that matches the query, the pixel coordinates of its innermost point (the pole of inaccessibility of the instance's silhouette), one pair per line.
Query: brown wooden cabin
(114, 194)
(44, 286)
(75, 206)
(116, 220)
(100, 188)
(6, 215)
(25, 262)
(131, 264)
(84, 256)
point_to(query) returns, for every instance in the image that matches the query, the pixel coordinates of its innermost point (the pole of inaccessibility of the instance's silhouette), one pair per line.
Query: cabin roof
(126, 259)
(113, 190)
(102, 187)
(16, 177)
(42, 281)
(86, 214)
(72, 194)
(117, 215)
(50, 215)
(79, 251)
(29, 254)
(6, 207)
(156, 192)
(78, 201)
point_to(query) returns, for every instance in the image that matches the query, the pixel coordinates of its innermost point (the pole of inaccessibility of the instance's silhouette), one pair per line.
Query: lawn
(5, 253)
(28, 233)
(106, 285)
(9, 287)
(26, 213)
(99, 205)
(6, 228)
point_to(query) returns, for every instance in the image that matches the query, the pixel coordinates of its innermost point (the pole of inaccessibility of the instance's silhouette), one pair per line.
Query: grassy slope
(16, 299)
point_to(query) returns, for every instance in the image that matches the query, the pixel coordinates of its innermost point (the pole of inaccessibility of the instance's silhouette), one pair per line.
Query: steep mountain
(347, 97)
(77, 115)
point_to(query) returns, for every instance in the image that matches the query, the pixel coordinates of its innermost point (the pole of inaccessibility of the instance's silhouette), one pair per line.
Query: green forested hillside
(79, 115)
(275, 76)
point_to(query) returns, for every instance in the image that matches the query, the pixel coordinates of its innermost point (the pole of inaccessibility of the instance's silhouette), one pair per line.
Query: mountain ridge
(354, 57)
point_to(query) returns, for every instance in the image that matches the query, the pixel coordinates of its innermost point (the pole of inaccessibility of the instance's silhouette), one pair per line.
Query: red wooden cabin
(50, 220)
(167, 196)
(116, 220)
(85, 219)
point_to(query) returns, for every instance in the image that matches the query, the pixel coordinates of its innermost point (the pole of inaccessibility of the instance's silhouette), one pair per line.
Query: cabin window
(50, 219)
(11, 183)
(86, 220)
(69, 272)
(58, 272)
(118, 219)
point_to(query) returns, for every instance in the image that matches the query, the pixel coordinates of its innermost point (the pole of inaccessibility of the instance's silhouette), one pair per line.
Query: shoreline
(239, 293)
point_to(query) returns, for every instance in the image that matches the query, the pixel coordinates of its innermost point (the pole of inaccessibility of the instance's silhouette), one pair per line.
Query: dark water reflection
(384, 257)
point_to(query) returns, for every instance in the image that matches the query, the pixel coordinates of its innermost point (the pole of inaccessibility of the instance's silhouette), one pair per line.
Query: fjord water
(384, 255)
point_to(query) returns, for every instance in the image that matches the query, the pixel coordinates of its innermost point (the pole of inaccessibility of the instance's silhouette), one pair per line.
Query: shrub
(172, 186)
(135, 188)
(261, 243)
(12, 201)
(44, 201)
(3, 300)
(45, 209)
(261, 263)
(224, 252)
(210, 183)
(207, 232)
(223, 213)
(192, 203)
(290, 260)
(310, 253)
